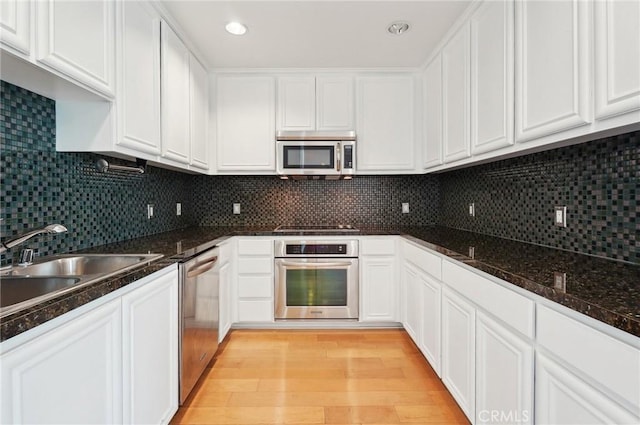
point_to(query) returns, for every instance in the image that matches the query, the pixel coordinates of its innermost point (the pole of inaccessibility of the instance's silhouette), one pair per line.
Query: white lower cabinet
(412, 296)
(224, 276)
(431, 323)
(113, 363)
(458, 350)
(71, 374)
(562, 399)
(504, 375)
(255, 285)
(379, 288)
(150, 351)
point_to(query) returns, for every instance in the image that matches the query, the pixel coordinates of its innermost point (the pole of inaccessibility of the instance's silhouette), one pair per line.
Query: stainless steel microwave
(329, 155)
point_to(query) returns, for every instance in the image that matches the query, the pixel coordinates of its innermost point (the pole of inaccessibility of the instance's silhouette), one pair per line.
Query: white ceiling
(314, 34)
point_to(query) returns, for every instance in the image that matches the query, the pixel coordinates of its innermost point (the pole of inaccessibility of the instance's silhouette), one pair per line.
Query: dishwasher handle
(202, 268)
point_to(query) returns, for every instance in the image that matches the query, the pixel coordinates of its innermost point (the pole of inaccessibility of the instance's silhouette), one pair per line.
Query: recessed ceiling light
(235, 28)
(397, 28)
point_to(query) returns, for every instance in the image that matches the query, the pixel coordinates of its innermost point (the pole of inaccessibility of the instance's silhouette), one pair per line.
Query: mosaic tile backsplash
(599, 182)
(269, 201)
(514, 199)
(39, 186)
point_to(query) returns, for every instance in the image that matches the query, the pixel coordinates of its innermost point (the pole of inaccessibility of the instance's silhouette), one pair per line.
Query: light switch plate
(472, 209)
(178, 208)
(405, 208)
(236, 208)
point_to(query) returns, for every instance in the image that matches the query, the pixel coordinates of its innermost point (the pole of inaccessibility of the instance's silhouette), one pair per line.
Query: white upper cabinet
(455, 96)
(308, 103)
(617, 43)
(245, 123)
(175, 97)
(296, 103)
(552, 67)
(199, 111)
(77, 38)
(492, 76)
(138, 77)
(15, 25)
(334, 103)
(433, 113)
(385, 123)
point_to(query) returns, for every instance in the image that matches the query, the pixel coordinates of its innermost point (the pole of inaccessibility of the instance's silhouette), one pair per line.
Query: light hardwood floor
(319, 377)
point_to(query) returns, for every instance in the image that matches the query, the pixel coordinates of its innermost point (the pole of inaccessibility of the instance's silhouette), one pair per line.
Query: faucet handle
(26, 257)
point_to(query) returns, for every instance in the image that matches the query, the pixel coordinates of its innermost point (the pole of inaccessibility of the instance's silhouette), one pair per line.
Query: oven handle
(314, 265)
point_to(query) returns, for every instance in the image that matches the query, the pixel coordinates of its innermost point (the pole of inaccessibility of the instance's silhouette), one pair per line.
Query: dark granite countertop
(606, 290)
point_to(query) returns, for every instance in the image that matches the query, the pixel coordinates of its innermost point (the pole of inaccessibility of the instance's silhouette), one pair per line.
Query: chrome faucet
(52, 228)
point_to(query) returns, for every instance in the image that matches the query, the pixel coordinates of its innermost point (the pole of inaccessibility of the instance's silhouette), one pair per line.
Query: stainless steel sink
(81, 265)
(15, 290)
(24, 286)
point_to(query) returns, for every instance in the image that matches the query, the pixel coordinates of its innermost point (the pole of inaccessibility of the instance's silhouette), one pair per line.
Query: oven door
(308, 158)
(316, 288)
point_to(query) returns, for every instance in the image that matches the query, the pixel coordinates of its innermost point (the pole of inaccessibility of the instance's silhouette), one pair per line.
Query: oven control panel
(301, 248)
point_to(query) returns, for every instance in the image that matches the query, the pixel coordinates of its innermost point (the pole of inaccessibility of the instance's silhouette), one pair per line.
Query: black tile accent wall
(39, 186)
(269, 201)
(599, 182)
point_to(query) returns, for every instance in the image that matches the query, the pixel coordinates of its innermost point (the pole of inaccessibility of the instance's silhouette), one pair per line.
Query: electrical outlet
(472, 252)
(561, 216)
(472, 209)
(178, 208)
(149, 211)
(405, 208)
(236, 208)
(560, 281)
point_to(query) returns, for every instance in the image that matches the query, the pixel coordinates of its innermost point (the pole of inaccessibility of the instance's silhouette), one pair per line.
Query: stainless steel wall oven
(316, 279)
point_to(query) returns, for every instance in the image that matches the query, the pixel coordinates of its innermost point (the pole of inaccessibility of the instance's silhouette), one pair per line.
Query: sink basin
(82, 265)
(15, 290)
(25, 286)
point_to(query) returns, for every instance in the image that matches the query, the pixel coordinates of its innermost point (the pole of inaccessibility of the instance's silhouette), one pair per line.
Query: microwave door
(303, 158)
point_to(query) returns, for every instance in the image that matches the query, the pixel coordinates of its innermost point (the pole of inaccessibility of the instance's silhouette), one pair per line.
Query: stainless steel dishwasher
(199, 308)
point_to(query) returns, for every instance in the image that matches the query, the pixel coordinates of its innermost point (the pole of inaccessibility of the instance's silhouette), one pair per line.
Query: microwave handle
(338, 151)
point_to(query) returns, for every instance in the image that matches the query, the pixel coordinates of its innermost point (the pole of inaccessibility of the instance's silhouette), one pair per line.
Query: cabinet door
(225, 301)
(15, 25)
(433, 113)
(385, 123)
(334, 103)
(458, 350)
(430, 338)
(77, 38)
(297, 103)
(412, 302)
(492, 76)
(617, 72)
(504, 373)
(138, 97)
(72, 374)
(552, 67)
(563, 398)
(175, 97)
(199, 98)
(379, 289)
(150, 347)
(245, 134)
(455, 96)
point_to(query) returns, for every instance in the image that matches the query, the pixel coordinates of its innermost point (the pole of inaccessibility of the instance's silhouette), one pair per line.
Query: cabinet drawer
(611, 362)
(426, 261)
(255, 286)
(255, 311)
(254, 265)
(512, 308)
(255, 247)
(378, 246)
